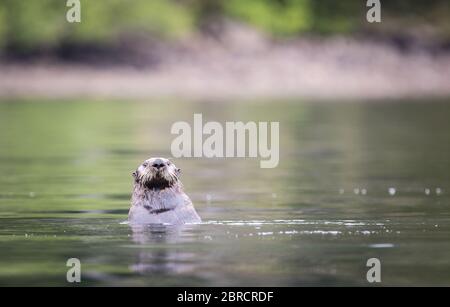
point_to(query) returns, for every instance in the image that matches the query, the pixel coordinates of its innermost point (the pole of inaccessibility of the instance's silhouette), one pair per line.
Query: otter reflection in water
(158, 255)
(158, 196)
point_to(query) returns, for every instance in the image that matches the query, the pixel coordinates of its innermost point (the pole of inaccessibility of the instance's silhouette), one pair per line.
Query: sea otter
(158, 196)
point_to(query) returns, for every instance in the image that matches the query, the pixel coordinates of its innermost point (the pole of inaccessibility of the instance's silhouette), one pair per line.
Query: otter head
(157, 174)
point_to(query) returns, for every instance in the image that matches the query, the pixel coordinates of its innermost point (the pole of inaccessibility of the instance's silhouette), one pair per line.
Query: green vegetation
(42, 23)
(32, 24)
(278, 17)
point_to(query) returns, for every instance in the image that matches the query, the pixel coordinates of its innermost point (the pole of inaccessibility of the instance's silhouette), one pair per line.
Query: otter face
(157, 174)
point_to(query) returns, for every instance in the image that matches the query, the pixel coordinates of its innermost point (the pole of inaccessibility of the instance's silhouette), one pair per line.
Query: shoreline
(246, 67)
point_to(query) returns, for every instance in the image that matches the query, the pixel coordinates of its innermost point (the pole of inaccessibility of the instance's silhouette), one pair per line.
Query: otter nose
(158, 165)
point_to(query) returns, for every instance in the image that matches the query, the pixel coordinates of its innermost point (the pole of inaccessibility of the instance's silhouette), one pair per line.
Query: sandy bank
(246, 65)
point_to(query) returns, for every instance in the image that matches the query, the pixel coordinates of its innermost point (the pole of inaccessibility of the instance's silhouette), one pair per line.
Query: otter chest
(161, 201)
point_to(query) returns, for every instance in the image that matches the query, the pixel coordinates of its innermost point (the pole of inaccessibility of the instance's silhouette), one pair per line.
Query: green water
(66, 180)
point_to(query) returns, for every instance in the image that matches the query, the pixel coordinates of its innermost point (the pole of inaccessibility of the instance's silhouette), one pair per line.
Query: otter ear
(178, 172)
(134, 174)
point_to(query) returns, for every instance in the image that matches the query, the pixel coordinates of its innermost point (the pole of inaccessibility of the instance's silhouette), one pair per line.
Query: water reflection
(355, 181)
(154, 257)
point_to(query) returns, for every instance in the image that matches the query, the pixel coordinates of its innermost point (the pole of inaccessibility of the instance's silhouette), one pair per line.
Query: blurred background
(201, 48)
(364, 140)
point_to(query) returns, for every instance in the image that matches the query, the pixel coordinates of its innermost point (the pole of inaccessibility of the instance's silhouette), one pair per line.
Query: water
(355, 181)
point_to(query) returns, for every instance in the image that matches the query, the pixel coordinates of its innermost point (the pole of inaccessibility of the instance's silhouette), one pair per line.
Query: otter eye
(145, 164)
